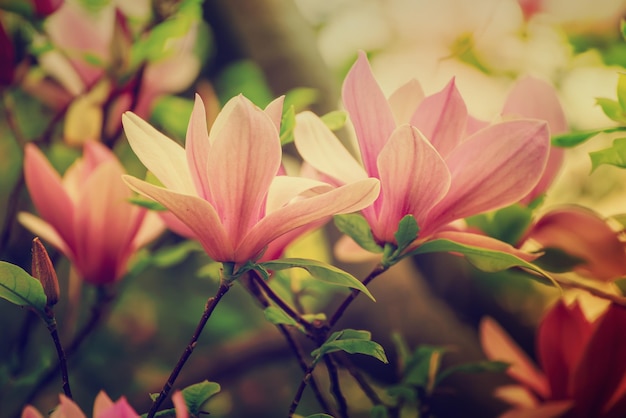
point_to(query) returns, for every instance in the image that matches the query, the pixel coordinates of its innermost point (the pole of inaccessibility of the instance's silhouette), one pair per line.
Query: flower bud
(43, 270)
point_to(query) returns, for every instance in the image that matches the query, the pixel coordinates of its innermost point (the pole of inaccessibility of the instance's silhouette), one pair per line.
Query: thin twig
(52, 327)
(617, 299)
(377, 271)
(211, 303)
(335, 387)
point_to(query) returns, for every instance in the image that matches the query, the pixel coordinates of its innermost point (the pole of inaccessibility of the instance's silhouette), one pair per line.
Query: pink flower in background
(86, 214)
(442, 166)
(582, 364)
(224, 185)
(103, 407)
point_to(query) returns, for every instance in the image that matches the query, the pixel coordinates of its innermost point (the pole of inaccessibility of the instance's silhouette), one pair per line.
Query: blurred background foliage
(302, 48)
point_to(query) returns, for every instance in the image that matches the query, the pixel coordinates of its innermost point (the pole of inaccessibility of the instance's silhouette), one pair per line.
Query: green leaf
(174, 254)
(477, 367)
(612, 109)
(406, 233)
(147, 203)
(287, 125)
(507, 224)
(557, 260)
(615, 155)
(22, 289)
(319, 416)
(353, 342)
(300, 98)
(622, 26)
(335, 120)
(621, 92)
(172, 113)
(422, 367)
(379, 411)
(197, 394)
(572, 139)
(356, 227)
(277, 316)
(481, 258)
(320, 271)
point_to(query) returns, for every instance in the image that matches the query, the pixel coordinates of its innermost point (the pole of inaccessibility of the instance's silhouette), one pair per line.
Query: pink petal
(442, 118)
(561, 338)
(275, 111)
(162, 156)
(196, 213)
(105, 225)
(493, 168)
(405, 100)
(120, 409)
(517, 395)
(150, 228)
(245, 157)
(47, 193)
(101, 403)
(67, 409)
(497, 345)
(320, 148)
(345, 199)
(555, 161)
(30, 412)
(582, 233)
(553, 409)
(45, 231)
(369, 112)
(286, 188)
(180, 405)
(602, 365)
(197, 148)
(413, 178)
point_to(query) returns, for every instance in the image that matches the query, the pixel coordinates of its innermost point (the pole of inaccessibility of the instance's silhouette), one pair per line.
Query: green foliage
(481, 258)
(612, 109)
(557, 260)
(351, 341)
(475, 367)
(244, 77)
(318, 270)
(615, 155)
(277, 316)
(196, 395)
(407, 233)
(287, 125)
(335, 120)
(172, 113)
(507, 224)
(572, 139)
(356, 227)
(172, 255)
(20, 288)
(300, 98)
(379, 411)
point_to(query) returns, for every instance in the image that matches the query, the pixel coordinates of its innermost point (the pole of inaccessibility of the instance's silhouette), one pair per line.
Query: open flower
(224, 185)
(434, 161)
(582, 366)
(86, 214)
(103, 407)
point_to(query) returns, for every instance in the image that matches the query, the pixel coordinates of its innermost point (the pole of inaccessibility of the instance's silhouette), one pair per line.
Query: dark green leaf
(507, 224)
(615, 155)
(21, 288)
(406, 233)
(148, 204)
(198, 394)
(335, 120)
(403, 392)
(572, 139)
(352, 342)
(557, 260)
(287, 125)
(379, 411)
(356, 227)
(481, 258)
(477, 367)
(423, 365)
(320, 271)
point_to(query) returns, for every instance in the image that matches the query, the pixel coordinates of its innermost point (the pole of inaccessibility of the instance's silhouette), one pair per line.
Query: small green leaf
(356, 227)
(612, 109)
(477, 367)
(615, 155)
(353, 342)
(21, 288)
(379, 411)
(481, 258)
(335, 120)
(197, 394)
(422, 367)
(287, 125)
(406, 233)
(146, 203)
(277, 316)
(320, 271)
(572, 139)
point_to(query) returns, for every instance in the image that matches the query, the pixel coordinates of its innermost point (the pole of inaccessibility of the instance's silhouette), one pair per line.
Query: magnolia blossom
(103, 407)
(86, 214)
(224, 185)
(434, 161)
(582, 367)
(581, 233)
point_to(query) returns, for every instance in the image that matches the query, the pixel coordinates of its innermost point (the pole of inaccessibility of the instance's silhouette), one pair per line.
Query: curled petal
(369, 112)
(275, 111)
(285, 188)
(321, 149)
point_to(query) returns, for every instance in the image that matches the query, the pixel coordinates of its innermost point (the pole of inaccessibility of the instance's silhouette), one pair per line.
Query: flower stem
(296, 399)
(335, 387)
(52, 327)
(211, 303)
(377, 271)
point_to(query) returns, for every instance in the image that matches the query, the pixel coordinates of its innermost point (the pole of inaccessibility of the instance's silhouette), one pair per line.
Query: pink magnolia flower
(534, 98)
(103, 407)
(582, 364)
(441, 166)
(224, 185)
(582, 233)
(86, 214)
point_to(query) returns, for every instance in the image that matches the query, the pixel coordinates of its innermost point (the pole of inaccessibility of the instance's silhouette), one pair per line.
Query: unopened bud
(43, 270)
